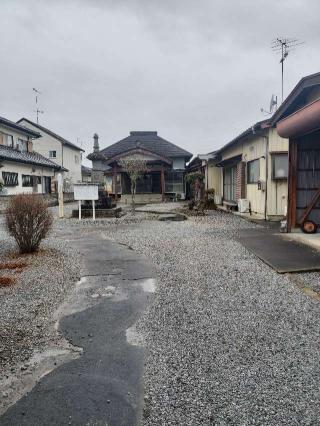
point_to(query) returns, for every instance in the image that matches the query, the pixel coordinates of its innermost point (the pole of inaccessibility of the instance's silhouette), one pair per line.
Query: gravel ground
(27, 307)
(230, 342)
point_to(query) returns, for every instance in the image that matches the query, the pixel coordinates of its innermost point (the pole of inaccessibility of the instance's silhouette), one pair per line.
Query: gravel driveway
(230, 342)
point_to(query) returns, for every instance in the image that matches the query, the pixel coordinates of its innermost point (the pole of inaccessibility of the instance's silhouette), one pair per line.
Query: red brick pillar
(241, 180)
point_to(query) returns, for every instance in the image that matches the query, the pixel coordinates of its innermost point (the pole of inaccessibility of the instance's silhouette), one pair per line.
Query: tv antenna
(284, 45)
(272, 107)
(37, 110)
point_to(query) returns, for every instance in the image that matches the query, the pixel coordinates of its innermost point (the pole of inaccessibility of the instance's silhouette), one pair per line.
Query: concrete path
(104, 385)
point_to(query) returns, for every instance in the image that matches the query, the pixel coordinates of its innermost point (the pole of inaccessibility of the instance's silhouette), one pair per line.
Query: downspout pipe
(267, 174)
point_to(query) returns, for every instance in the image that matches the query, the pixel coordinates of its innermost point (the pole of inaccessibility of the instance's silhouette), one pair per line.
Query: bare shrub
(28, 220)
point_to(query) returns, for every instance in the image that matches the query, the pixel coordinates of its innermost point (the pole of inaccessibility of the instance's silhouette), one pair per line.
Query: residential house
(58, 149)
(249, 173)
(166, 166)
(298, 119)
(21, 169)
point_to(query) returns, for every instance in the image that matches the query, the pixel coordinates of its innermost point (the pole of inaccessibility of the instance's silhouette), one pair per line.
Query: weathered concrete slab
(279, 252)
(104, 385)
(172, 217)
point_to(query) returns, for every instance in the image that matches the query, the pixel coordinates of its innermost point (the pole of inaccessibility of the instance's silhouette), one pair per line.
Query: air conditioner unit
(218, 200)
(243, 205)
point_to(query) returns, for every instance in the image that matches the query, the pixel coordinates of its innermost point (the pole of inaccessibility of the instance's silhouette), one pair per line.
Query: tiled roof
(86, 170)
(149, 141)
(12, 125)
(49, 132)
(248, 132)
(11, 154)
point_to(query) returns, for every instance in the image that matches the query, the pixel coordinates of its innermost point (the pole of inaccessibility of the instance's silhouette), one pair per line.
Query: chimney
(96, 143)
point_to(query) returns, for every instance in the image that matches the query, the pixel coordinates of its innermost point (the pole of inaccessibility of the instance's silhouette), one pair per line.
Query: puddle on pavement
(134, 337)
(148, 284)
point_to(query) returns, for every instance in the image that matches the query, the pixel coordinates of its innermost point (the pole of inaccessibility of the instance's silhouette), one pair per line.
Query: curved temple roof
(148, 140)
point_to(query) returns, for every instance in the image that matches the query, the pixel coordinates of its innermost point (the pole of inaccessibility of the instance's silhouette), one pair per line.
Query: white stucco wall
(24, 169)
(65, 154)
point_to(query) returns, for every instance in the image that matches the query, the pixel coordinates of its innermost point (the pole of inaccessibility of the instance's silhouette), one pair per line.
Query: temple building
(163, 179)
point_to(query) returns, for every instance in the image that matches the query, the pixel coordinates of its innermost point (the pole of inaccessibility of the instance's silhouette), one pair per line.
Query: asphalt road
(104, 385)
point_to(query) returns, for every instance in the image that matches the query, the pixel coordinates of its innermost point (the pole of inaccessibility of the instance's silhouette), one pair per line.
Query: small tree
(135, 167)
(28, 220)
(195, 179)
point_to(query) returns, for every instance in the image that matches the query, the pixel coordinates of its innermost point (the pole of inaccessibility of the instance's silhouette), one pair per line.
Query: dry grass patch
(6, 281)
(14, 265)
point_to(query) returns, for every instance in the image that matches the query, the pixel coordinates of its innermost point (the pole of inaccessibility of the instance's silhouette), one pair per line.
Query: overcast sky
(197, 71)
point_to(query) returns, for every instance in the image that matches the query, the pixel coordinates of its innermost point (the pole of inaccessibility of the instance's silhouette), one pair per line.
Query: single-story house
(23, 170)
(58, 149)
(298, 119)
(249, 173)
(166, 166)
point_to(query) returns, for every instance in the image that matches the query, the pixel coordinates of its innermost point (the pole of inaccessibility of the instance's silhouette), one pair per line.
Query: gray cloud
(197, 71)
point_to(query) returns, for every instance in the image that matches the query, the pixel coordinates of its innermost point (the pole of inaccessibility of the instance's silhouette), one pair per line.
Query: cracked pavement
(104, 384)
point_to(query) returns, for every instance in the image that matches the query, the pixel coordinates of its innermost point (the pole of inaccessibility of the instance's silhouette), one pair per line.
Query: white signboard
(85, 191)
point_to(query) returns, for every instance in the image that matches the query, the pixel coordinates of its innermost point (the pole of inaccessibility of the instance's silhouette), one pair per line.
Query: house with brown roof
(249, 173)
(166, 167)
(22, 170)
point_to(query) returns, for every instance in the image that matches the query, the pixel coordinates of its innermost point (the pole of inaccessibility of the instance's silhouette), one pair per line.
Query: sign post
(60, 195)
(87, 192)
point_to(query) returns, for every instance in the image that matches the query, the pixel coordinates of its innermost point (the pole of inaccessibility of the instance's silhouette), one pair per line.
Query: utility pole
(284, 45)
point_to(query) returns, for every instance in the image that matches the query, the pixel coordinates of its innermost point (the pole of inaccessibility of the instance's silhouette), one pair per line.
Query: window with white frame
(76, 159)
(253, 171)
(52, 154)
(280, 166)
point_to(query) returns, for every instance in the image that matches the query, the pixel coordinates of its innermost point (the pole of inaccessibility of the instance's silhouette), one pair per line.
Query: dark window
(30, 181)
(47, 184)
(10, 179)
(27, 180)
(279, 166)
(253, 171)
(52, 154)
